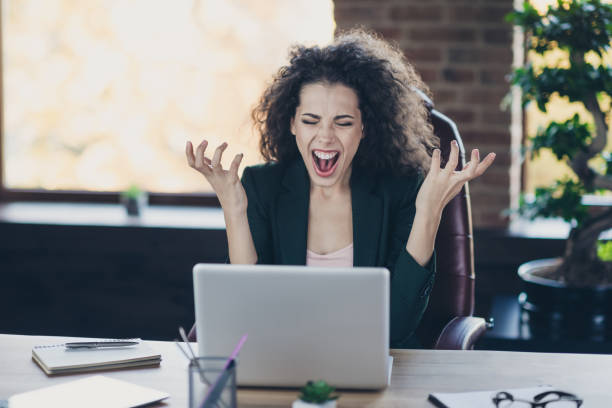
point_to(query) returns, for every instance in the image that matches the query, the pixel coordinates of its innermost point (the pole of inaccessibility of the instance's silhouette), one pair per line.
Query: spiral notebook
(57, 359)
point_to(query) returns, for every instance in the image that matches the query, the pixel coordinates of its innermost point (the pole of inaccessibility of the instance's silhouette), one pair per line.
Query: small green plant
(317, 392)
(133, 192)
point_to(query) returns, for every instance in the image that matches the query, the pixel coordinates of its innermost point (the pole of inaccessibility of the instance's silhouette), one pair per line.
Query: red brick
(389, 33)
(498, 36)
(486, 136)
(458, 75)
(488, 55)
(488, 190)
(494, 116)
(442, 96)
(495, 200)
(428, 75)
(416, 13)
(492, 14)
(429, 54)
(497, 55)
(443, 34)
(495, 76)
(363, 13)
(496, 176)
(461, 116)
(459, 55)
(484, 96)
(488, 219)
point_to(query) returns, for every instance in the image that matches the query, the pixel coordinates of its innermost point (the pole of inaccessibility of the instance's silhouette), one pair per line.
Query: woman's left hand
(442, 184)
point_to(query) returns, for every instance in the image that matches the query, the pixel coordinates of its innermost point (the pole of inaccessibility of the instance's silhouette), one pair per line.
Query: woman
(347, 143)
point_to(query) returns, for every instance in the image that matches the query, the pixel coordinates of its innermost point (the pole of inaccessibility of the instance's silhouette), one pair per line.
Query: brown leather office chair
(448, 322)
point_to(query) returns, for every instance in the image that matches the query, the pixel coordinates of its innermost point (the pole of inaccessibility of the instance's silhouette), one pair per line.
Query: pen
(100, 344)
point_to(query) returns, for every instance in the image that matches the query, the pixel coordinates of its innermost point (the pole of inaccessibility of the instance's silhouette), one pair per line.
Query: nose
(326, 133)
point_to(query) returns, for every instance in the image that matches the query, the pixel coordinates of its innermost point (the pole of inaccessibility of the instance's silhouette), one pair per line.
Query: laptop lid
(303, 323)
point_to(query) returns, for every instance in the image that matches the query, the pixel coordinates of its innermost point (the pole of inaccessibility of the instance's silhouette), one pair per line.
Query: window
(102, 94)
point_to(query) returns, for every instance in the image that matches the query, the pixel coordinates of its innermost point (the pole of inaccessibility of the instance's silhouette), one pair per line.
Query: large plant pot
(552, 310)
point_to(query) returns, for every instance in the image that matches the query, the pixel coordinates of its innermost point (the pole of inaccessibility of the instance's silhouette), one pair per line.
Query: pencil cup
(212, 383)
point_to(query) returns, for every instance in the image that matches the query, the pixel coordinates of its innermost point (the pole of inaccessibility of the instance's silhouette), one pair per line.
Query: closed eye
(345, 124)
(309, 122)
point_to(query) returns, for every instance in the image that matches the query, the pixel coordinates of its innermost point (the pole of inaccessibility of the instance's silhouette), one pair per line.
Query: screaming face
(328, 129)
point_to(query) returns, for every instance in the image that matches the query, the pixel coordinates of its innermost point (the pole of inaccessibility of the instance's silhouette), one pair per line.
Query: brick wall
(463, 51)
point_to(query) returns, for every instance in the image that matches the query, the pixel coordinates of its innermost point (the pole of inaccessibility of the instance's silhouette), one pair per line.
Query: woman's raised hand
(442, 184)
(226, 183)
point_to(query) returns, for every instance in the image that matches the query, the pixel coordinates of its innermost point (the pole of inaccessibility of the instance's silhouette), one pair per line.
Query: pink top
(341, 257)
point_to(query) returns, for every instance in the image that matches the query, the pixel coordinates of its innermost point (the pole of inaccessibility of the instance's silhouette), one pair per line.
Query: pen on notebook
(100, 344)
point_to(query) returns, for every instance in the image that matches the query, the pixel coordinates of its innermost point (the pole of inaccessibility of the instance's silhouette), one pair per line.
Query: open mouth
(325, 161)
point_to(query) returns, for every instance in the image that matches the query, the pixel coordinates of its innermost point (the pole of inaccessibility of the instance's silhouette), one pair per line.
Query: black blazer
(383, 211)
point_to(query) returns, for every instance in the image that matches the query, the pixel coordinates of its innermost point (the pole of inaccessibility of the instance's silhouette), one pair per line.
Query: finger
(199, 156)
(236, 164)
(435, 161)
(189, 154)
(484, 165)
(451, 165)
(472, 165)
(218, 154)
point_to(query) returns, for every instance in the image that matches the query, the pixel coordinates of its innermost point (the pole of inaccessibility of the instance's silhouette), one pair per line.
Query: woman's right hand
(226, 183)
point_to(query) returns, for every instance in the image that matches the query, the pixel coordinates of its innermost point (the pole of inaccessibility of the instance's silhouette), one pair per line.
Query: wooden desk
(416, 373)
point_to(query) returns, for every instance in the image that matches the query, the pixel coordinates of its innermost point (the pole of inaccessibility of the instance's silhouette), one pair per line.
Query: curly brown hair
(398, 136)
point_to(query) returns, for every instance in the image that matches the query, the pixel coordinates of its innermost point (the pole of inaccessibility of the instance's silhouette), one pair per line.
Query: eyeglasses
(548, 399)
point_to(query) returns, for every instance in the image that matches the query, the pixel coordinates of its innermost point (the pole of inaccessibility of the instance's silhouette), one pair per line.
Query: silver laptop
(303, 323)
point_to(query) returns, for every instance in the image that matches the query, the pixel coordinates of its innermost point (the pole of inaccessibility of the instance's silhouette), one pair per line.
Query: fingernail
(477, 153)
(454, 142)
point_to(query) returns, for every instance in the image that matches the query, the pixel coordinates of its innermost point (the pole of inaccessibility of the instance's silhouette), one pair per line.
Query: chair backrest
(453, 291)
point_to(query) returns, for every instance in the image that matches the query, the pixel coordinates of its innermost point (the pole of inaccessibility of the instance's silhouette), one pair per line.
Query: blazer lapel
(292, 217)
(367, 218)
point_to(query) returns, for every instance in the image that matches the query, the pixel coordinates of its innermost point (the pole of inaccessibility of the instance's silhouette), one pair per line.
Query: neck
(340, 188)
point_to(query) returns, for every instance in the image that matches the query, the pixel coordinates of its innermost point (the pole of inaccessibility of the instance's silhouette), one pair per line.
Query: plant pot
(552, 310)
(301, 404)
(134, 205)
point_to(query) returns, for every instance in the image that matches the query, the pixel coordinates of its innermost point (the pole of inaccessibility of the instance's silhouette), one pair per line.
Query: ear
(362, 132)
(292, 125)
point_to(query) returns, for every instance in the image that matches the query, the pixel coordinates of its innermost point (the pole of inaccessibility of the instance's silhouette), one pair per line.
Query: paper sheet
(94, 392)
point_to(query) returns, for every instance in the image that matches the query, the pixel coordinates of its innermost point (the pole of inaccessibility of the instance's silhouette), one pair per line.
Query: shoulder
(397, 186)
(264, 170)
(263, 179)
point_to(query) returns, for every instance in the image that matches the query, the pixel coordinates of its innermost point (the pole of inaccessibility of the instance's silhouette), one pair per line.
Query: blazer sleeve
(411, 283)
(258, 217)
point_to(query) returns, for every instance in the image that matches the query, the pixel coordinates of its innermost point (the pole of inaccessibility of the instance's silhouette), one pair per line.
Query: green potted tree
(571, 294)
(316, 394)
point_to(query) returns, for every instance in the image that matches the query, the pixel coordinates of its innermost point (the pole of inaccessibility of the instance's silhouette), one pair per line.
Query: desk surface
(416, 373)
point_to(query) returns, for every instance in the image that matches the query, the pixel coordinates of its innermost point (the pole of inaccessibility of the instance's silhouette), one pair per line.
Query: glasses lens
(561, 404)
(520, 404)
(504, 404)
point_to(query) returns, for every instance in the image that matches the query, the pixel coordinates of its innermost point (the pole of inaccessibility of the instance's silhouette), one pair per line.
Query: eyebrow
(312, 115)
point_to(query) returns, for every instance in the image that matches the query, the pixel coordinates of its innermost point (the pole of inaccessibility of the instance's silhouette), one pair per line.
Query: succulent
(317, 392)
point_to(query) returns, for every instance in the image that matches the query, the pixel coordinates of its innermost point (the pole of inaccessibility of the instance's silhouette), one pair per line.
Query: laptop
(303, 323)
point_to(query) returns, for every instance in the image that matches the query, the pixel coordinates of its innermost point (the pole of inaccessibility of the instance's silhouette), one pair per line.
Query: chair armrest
(461, 333)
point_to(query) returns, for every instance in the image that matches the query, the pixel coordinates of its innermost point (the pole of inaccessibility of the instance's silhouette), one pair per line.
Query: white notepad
(482, 398)
(93, 392)
(56, 359)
